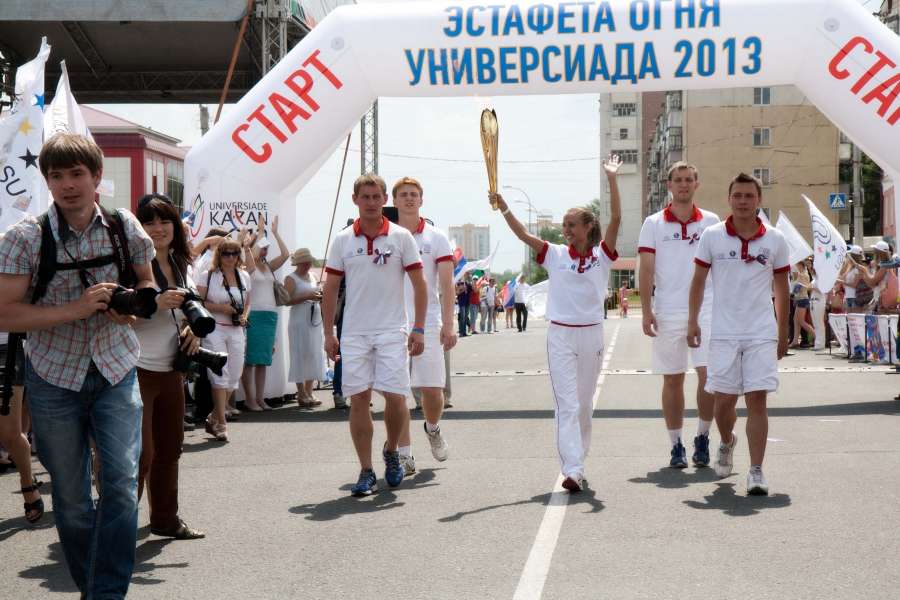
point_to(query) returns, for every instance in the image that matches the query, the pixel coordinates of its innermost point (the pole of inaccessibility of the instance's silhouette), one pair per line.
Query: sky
(549, 147)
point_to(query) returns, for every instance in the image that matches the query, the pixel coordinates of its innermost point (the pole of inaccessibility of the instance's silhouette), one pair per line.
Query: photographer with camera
(58, 276)
(225, 288)
(162, 386)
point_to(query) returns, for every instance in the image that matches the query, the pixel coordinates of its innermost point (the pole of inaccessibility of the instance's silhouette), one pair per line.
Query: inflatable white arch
(264, 150)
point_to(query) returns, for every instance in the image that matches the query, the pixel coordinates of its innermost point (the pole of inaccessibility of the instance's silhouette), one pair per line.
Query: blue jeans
(98, 541)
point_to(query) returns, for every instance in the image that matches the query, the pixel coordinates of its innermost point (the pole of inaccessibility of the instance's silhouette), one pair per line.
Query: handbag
(281, 293)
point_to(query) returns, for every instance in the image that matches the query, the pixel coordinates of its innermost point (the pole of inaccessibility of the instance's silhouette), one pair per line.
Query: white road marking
(633, 372)
(534, 575)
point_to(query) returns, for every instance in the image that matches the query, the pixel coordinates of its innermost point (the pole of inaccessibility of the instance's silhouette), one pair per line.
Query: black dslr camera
(200, 321)
(236, 317)
(214, 361)
(140, 303)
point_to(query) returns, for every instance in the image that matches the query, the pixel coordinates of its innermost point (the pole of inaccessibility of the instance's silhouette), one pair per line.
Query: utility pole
(856, 198)
(368, 129)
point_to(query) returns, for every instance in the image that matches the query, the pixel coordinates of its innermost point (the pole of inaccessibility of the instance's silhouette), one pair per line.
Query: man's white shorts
(427, 369)
(741, 366)
(670, 348)
(376, 361)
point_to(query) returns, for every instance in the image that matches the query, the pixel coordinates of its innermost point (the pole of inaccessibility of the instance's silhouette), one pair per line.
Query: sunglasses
(231, 253)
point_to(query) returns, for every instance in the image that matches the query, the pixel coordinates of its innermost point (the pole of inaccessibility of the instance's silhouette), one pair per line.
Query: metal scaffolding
(368, 128)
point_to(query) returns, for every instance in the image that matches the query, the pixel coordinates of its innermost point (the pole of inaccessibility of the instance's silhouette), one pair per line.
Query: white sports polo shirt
(675, 244)
(374, 269)
(434, 248)
(742, 272)
(577, 283)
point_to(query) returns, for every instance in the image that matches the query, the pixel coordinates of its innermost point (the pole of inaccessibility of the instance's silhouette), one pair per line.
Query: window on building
(629, 157)
(675, 141)
(175, 182)
(623, 133)
(624, 109)
(764, 174)
(674, 100)
(762, 96)
(762, 136)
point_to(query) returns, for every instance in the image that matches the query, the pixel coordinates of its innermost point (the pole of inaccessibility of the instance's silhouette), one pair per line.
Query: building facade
(773, 133)
(137, 160)
(474, 240)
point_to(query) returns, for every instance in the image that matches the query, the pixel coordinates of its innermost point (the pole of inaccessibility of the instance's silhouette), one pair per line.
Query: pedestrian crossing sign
(837, 201)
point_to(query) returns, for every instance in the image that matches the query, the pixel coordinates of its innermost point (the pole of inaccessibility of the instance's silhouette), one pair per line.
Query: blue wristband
(420, 330)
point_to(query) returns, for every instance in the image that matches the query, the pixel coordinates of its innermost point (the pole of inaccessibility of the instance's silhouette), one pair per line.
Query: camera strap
(163, 282)
(48, 265)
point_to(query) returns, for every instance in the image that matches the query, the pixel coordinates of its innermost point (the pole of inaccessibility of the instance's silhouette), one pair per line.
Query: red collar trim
(385, 225)
(574, 253)
(670, 217)
(729, 228)
(421, 226)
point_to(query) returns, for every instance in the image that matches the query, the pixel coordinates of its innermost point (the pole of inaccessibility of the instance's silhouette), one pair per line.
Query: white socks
(405, 451)
(703, 427)
(674, 436)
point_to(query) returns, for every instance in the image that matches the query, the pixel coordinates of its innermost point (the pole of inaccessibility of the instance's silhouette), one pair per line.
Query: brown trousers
(162, 434)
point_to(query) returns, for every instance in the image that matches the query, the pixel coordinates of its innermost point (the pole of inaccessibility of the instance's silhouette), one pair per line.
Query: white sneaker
(439, 447)
(756, 482)
(725, 458)
(409, 465)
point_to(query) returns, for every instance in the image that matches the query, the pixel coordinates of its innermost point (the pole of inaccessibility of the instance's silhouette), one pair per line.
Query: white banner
(800, 249)
(835, 51)
(829, 248)
(22, 188)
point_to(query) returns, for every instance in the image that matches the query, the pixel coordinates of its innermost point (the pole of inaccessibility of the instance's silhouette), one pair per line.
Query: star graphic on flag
(29, 158)
(25, 127)
(39, 100)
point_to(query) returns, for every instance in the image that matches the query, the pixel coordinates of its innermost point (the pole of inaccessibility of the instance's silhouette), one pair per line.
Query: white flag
(829, 248)
(24, 190)
(64, 115)
(800, 250)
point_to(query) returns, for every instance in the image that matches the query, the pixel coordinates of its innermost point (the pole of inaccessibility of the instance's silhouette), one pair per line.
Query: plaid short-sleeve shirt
(62, 355)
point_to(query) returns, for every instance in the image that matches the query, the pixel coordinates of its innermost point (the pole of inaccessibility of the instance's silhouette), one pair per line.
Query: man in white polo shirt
(374, 347)
(747, 260)
(667, 245)
(427, 371)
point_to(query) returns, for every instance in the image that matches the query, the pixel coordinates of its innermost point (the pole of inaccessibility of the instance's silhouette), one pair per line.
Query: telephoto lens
(140, 303)
(214, 361)
(200, 321)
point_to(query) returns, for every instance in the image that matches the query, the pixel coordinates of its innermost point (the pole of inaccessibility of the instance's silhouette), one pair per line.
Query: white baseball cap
(881, 246)
(263, 243)
(854, 249)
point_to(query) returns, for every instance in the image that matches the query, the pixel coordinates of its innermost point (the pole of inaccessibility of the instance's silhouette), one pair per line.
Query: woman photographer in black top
(162, 387)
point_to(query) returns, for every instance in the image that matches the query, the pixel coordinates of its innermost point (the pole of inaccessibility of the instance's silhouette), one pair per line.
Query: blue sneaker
(701, 451)
(679, 456)
(366, 484)
(393, 470)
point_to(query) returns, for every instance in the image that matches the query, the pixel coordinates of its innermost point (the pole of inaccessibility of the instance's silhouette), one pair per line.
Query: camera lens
(201, 322)
(140, 303)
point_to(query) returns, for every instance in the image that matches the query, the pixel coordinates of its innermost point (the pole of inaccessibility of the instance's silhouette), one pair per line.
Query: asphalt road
(487, 523)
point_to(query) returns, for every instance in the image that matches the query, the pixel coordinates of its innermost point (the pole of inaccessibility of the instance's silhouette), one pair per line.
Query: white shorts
(231, 340)
(427, 369)
(741, 366)
(376, 361)
(670, 348)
